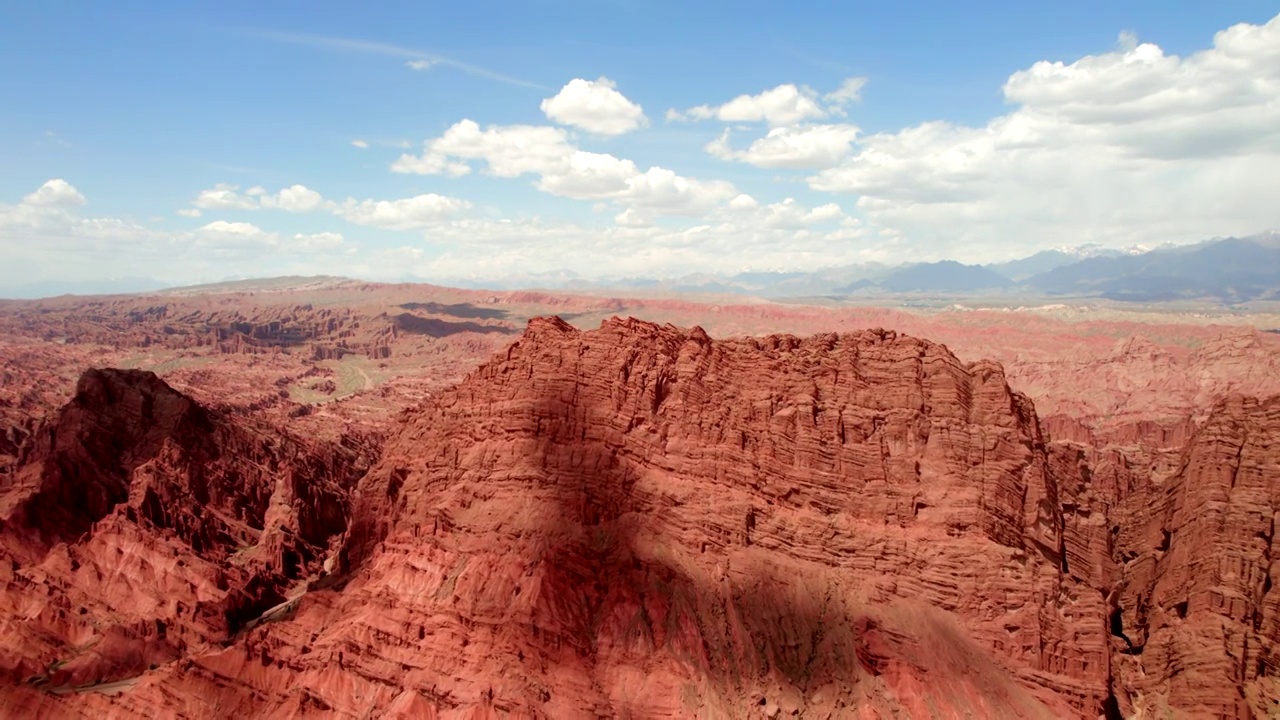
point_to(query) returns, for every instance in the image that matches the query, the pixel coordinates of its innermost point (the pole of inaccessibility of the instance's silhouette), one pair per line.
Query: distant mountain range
(947, 276)
(1227, 270)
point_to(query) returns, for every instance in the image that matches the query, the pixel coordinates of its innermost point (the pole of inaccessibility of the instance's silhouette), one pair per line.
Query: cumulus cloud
(44, 237)
(233, 234)
(189, 212)
(513, 150)
(633, 218)
(48, 221)
(784, 235)
(782, 105)
(295, 198)
(405, 214)
(595, 106)
(55, 193)
(401, 214)
(739, 233)
(793, 215)
(509, 151)
(363, 145)
(429, 163)
(224, 197)
(1129, 146)
(803, 147)
(223, 235)
(787, 104)
(52, 207)
(663, 191)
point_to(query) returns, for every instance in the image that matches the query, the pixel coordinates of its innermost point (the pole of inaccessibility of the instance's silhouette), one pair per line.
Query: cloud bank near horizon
(1128, 146)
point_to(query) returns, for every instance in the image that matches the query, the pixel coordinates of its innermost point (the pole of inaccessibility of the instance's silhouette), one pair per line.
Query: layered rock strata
(141, 527)
(638, 521)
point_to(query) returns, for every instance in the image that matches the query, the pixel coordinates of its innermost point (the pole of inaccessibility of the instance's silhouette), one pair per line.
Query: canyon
(349, 500)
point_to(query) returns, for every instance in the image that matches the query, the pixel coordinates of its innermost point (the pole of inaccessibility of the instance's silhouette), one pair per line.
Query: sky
(191, 142)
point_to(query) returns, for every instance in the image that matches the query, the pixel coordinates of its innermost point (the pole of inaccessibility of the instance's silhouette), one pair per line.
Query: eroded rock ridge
(639, 521)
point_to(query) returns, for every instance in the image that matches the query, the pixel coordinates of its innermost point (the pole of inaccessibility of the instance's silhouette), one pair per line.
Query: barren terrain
(342, 498)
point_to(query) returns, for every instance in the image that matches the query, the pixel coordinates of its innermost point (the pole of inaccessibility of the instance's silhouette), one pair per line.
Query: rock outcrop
(619, 523)
(1193, 615)
(638, 521)
(1179, 543)
(141, 527)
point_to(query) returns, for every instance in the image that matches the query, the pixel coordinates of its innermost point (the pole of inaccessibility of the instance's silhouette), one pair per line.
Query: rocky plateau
(383, 501)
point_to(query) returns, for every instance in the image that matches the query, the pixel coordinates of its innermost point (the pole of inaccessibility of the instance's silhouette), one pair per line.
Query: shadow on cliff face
(631, 579)
(433, 327)
(459, 310)
(744, 624)
(733, 632)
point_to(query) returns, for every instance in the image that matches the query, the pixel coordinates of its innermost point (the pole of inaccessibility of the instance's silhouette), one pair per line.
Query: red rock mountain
(143, 527)
(1193, 609)
(638, 521)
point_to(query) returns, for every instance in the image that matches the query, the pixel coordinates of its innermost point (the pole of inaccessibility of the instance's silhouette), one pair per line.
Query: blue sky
(163, 136)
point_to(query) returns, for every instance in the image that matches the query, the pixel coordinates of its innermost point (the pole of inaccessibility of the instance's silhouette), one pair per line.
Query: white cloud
(562, 169)
(785, 235)
(783, 105)
(509, 151)
(595, 106)
(189, 212)
(51, 209)
(418, 64)
(736, 234)
(803, 147)
(662, 190)
(224, 197)
(1130, 146)
(405, 214)
(587, 176)
(295, 198)
(401, 214)
(232, 234)
(633, 218)
(363, 145)
(315, 241)
(849, 91)
(792, 142)
(55, 193)
(43, 237)
(792, 215)
(232, 237)
(429, 163)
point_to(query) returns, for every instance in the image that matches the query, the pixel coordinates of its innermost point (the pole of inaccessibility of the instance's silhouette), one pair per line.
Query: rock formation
(639, 521)
(1197, 623)
(141, 527)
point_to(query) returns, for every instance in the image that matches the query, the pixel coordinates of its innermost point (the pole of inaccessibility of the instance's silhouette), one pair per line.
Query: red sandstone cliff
(141, 527)
(1194, 612)
(640, 522)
